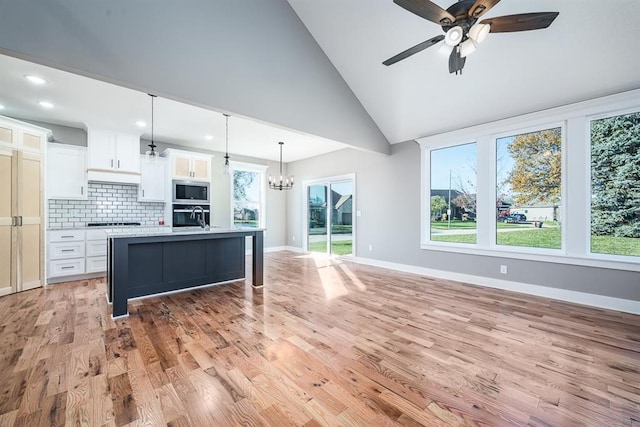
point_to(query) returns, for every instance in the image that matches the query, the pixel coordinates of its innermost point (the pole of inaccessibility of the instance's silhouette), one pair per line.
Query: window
(615, 185)
(560, 185)
(248, 198)
(452, 194)
(529, 190)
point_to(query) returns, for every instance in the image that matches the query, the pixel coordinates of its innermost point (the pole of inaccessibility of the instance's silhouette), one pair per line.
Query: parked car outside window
(514, 218)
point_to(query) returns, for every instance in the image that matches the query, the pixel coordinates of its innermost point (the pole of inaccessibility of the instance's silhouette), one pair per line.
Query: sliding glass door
(330, 217)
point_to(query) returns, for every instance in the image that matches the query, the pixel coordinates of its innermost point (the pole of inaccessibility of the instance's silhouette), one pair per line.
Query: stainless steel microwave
(190, 192)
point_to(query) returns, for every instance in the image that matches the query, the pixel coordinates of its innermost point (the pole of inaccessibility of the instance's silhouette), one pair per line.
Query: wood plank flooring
(325, 343)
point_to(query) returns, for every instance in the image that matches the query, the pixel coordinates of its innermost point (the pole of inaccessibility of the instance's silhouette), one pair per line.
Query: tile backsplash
(106, 203)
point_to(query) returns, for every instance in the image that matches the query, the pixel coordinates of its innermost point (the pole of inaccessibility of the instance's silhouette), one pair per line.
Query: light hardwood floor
(327, 342)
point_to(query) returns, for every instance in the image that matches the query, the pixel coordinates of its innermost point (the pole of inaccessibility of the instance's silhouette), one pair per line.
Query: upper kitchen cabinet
(153, 185)
(66, 172)
(113, 157)
(21, 139)
(188, 165)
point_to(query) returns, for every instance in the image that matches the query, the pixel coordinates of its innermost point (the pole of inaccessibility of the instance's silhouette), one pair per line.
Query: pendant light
(226, 152)
(152, 155)
(285, 182)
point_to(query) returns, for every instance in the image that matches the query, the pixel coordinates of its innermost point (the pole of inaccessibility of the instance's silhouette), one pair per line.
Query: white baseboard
(593, 300)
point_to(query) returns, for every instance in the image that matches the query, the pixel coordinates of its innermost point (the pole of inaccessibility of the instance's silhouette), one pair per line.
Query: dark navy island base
(143, 265)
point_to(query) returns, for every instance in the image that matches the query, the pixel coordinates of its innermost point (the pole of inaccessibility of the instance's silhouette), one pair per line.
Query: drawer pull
(66, 268)
(66, 237)
(67, 250)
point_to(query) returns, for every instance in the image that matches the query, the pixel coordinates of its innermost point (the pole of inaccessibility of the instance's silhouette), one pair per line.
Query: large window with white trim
(529, 189)
(247, 195)
(615, 184)
(560, 185)
(453, 194)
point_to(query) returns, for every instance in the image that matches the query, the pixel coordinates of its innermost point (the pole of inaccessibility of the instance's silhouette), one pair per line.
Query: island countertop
(169, 231)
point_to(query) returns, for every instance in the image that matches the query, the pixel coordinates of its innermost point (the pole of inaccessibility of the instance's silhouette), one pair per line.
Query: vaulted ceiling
(590, 50)
(315, 67)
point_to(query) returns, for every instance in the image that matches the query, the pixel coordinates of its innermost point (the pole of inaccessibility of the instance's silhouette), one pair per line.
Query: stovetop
(111, 224)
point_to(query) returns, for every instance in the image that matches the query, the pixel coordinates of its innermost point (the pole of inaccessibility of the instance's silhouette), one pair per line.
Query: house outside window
(247, 195)
(560, 185)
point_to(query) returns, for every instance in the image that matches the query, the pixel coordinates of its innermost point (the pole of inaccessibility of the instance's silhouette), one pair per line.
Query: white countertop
(168, 231)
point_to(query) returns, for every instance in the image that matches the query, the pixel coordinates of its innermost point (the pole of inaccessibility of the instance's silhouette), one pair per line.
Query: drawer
(66, 235)
(96, 235)
(66, 267)
(96, 264)
(96, 247)
(66, 250)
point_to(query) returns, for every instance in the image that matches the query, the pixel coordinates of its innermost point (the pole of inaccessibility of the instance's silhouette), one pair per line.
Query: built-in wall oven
(191, 215)
(190, 192)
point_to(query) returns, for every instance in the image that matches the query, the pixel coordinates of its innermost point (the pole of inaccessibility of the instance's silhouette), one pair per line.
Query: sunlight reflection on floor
(335, 275)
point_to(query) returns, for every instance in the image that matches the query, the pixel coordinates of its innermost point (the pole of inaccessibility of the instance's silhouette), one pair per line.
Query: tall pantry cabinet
(21, 206)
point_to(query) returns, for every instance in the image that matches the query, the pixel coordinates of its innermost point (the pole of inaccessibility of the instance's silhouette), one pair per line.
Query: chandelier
(285, 182)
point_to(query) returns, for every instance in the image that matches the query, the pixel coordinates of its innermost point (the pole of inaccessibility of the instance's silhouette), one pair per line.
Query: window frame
(255, 168)
(574, 120)
(589, 119)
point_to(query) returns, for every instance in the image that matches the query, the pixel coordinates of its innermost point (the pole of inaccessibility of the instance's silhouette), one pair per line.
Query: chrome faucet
(200, 218)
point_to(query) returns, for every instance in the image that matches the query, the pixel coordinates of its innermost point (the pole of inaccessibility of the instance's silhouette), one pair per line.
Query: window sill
(533, 254)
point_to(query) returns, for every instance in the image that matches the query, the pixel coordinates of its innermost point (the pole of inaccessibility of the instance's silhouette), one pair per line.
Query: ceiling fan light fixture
(479, 32)
(454, 36)
(445, 49)
(467, 47)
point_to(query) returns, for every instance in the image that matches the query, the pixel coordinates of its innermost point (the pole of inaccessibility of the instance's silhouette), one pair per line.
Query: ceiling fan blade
(427, 10)
(521, 22)
(480, 7)
(456, 62)
(413, 50)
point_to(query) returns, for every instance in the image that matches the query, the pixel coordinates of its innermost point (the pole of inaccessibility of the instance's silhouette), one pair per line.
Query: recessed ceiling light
(208, 137)
(1, 107)
(35, 79)
(45, 104)
(141, 124)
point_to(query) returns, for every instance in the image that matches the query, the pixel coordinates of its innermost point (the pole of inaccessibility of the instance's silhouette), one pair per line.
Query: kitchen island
(160, 260)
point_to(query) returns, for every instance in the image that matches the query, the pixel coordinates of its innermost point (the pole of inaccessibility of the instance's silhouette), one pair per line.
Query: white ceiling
(80, 102)
(590, 50)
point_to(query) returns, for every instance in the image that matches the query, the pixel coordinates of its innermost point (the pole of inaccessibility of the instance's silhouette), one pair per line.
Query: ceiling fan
(462, 30)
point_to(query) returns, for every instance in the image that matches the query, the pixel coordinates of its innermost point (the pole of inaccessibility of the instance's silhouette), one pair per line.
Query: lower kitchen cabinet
(76, 252)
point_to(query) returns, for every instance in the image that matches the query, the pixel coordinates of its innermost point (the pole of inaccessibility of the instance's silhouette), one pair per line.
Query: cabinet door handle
(118, 164)
(111, 162)
(14, 221)
(20, 221)
(142, 193)
(82, 190)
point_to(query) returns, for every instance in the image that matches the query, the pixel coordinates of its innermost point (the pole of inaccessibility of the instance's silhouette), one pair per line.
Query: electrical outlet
(503, 269)
(293, 238)
(370, 248)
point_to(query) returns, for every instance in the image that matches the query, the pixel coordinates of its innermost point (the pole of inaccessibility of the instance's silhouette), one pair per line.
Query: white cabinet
(76, 252)
(113, 156)
(96, 251)
(66, 172)
(153, 181)
(189, 165)
(66, 252)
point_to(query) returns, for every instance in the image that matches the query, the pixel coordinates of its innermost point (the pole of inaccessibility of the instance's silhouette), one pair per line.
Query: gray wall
(388, 196)
(252, 57)
(62, 134)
